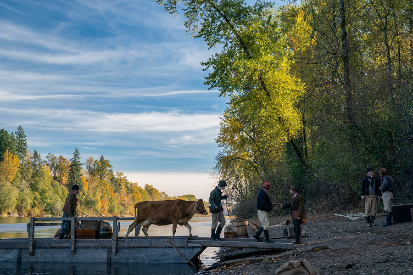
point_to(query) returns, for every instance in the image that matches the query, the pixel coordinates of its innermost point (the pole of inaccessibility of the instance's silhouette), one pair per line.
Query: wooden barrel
(240, 228)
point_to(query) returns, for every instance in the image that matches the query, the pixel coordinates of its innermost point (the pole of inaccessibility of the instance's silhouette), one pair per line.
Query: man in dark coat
(218, 218)
(69, 210)
(298, 214)
(264, 207)
(370, 191)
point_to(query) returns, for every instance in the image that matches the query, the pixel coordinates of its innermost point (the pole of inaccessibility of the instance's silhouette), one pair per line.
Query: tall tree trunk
(411, 37)
(346, 68)
(388, 57)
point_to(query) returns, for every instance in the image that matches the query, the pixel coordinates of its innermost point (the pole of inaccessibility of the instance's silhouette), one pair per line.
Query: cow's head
(200, 207)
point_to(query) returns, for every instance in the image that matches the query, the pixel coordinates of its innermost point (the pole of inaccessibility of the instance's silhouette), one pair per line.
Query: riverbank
(334, 245)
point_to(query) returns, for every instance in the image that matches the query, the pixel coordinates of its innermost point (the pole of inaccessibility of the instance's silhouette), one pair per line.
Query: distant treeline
(32, 186)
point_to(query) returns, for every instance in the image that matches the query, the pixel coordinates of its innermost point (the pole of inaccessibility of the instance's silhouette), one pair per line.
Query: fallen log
(277, 257)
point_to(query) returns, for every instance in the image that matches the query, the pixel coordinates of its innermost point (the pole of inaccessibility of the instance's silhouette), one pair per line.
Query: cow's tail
(134, 224)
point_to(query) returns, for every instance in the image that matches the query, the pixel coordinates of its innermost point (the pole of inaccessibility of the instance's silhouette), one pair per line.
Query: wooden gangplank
(278, 244)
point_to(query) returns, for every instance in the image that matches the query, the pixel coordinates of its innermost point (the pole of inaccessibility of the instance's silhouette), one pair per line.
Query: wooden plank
(259, 245)
(48, 223)
(114, 235)
(89, 219)
(277, 239)
(73, 234)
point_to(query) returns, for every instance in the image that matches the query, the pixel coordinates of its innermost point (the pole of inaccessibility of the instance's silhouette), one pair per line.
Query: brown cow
(166, 212)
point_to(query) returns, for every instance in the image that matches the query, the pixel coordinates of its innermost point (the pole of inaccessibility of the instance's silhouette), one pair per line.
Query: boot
(258, 233)
(368, 221)
(372, 219)
(388, 219)
(212, 234)
(217, 237)
(267, 237)
(62, 236)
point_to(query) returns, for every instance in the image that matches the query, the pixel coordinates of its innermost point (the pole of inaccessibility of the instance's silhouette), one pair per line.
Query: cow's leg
(131, 227)
(189, 229)
(174, 229)
(145, 227)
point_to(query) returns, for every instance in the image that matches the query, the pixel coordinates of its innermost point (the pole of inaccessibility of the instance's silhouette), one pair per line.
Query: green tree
(36, 162)
(7, 142)
(75, 170)
(21, 143)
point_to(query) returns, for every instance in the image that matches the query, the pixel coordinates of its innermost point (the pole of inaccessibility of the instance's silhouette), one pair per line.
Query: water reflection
(95, 269)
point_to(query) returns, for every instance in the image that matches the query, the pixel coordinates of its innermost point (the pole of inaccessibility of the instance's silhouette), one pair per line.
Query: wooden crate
(402, 212)
(87, 234)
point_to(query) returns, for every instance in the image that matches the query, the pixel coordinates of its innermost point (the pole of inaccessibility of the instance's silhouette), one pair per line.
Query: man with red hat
(264, 207)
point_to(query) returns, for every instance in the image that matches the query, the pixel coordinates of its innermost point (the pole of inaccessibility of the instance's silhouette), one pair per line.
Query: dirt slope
(337, 245)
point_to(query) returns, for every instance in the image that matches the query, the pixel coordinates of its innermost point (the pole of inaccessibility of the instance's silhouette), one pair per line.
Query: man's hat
(370, 169)
(266, 185)
(75, 187)
(295, 189)
(222, 183)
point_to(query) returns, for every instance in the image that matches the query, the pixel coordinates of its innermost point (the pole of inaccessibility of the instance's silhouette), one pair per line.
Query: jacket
(70, 205)
(264, 202)
(296, 206)
(387, 184)
(365, 186)
(215, 198)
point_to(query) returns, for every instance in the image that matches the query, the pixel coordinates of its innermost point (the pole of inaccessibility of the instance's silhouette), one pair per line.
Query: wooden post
(114, 235)
(73, 234)
(31, 236)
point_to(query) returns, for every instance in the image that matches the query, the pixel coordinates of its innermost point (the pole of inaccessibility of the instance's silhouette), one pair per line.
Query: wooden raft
(160, 249)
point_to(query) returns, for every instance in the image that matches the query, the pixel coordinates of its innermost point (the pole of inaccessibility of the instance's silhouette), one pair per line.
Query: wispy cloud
(126, 93)
(88, 121)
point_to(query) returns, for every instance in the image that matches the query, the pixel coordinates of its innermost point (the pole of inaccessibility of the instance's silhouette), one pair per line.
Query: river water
(17, 228)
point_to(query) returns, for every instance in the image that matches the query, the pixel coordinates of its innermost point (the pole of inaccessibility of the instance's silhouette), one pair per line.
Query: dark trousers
(66, 225)
(297, 230)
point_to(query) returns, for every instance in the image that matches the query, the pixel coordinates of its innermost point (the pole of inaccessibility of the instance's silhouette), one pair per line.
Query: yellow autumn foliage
(9, 166)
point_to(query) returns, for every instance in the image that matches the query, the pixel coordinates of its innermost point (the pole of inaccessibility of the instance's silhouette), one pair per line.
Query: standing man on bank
(218, 218)
(264, 207)
(370, 191)
(298, 214)
(69, 210)
(387, 188)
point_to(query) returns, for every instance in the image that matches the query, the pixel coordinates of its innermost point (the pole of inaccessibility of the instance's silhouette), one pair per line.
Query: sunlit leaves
(9, 166)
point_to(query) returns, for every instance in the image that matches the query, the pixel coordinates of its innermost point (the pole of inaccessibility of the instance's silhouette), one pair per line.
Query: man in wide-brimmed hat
(298, 214)
(218, 218)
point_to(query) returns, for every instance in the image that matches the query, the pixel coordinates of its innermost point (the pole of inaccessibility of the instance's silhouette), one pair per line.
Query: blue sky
(116, 78)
